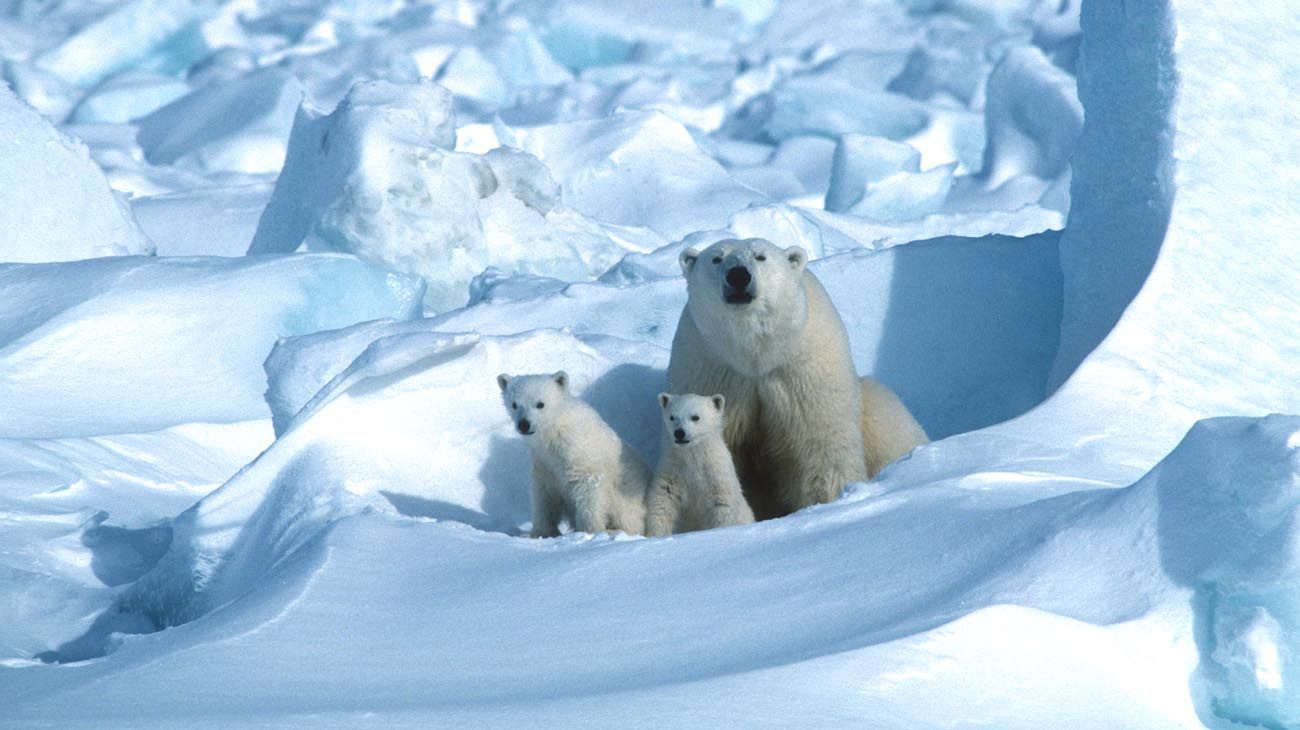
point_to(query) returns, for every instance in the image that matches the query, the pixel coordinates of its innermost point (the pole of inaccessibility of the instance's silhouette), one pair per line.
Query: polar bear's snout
(738, 284)
(524, 427)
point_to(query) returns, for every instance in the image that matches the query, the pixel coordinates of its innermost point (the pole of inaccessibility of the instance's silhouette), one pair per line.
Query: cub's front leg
(662, 508)
(547, 504)
(590, 505)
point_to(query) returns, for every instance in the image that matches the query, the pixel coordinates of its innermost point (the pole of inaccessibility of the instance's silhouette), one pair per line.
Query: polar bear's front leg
(547, 508)
(590, 505)
(661, 509)
(825, 473)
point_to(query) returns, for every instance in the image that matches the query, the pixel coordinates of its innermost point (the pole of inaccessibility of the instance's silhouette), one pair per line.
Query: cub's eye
(695, 418)
(513, 404)
(541, 404)
(760, 257)
(673, 418)
(717, 259)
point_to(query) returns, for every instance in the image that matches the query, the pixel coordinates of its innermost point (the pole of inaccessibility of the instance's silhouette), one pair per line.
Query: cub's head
(533, 399)
(689, 417)
(744, 274)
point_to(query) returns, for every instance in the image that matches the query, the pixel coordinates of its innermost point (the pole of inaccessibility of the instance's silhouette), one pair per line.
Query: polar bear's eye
(760, 257)
(717, 259)
(514, 404)
(673, 418)
(695, 418)
(541, 404)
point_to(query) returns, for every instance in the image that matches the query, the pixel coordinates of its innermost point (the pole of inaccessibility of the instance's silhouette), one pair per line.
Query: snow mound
(379, 177)
(166, 341)
(414, 422)
(58, 205)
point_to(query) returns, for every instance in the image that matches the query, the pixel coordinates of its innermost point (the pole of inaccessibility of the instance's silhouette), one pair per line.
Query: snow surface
(244, 483)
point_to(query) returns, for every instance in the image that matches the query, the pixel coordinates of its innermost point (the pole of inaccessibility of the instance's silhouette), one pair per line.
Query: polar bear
(759, 328)
(582, 470)
(695, 486)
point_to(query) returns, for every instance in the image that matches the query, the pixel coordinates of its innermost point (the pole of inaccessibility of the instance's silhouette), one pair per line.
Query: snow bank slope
(1077, 597)
(57, 203)
(132, 344)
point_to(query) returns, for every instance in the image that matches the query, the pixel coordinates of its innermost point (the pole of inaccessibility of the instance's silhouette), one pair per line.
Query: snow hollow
(261, 260)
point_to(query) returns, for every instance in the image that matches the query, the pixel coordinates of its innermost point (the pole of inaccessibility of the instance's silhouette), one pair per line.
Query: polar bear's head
(747, 299)
(532, 400)
(742, 273)
(689, 417)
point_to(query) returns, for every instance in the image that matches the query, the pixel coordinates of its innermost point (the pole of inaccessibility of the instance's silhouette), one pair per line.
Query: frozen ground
(254, 471)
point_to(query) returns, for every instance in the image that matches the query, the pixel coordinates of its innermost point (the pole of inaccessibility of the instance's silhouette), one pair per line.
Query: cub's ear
(718, 401)
(797, 257)
(503, 380)
(561, 379)
(663, 400)
(687, 259)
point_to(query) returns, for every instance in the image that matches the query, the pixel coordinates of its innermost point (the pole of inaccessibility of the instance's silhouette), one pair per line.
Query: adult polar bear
(759, 328)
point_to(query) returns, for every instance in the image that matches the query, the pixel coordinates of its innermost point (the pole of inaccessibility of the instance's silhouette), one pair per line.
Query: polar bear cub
(582, 470)
(695, 487)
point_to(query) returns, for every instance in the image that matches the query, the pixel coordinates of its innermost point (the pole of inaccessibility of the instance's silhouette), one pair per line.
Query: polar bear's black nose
(524, 426)
(738, 277)
(679, 434)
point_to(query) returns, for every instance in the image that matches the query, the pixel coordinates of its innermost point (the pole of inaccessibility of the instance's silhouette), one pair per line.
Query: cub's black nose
(679, 434)
(524, 426)
(738, 277)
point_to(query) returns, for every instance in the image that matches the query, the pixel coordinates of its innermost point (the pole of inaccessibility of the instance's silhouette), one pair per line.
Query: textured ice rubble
(380, 177)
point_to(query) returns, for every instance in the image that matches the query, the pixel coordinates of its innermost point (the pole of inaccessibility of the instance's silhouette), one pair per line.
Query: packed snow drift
(262, 260)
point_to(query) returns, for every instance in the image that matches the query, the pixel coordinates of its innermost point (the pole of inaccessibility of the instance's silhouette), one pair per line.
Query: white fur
(796, 426)
(695, 486)
(582, 470)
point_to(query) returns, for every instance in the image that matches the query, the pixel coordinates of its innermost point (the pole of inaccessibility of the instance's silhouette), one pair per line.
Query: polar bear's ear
(797, 257)
(561, 379)
(688, 259)
(718, 401)
(663, 400)
(503, 380)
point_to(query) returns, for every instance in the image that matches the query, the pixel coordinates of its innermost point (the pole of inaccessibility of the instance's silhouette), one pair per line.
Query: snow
(186, 323)
(262, 477)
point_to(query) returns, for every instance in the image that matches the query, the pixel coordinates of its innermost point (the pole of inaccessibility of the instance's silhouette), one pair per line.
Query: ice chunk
(828, 107)
(637, 169)
(587, 33)
(1033, 118)
(1230, 529)
(951, 60)
(205, 221)
(58, 205)
(127, 34)
(126, 96)
(378, 177)
(132, 344)
(47, 93)
(906, 196)
(240, 126)
(861, 160)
